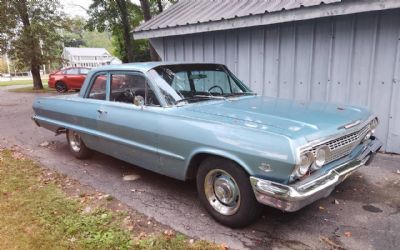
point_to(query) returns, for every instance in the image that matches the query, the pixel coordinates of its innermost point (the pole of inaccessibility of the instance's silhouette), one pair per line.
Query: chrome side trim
(296, 196)
(103, 135)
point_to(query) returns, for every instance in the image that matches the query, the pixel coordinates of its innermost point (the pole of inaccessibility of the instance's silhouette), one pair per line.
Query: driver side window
(133, 89)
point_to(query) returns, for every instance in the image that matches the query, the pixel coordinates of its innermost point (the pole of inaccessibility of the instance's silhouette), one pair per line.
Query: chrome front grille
(343, 146)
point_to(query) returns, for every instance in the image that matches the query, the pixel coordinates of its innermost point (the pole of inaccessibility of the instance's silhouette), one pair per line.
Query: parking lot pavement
(362, 213)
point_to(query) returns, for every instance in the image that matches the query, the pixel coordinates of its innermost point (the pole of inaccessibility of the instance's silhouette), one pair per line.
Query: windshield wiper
(240, 94)
(200, 97)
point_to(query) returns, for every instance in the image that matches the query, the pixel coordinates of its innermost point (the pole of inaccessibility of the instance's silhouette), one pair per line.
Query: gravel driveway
(362, 213)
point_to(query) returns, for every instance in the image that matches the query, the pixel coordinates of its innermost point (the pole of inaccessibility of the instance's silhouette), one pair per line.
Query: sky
(77, 7)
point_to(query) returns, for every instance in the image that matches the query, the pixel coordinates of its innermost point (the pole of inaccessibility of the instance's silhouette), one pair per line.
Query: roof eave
(344, 8)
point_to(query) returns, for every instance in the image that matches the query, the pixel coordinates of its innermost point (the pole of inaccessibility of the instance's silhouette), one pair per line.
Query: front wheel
(225, 191)
(77, 146)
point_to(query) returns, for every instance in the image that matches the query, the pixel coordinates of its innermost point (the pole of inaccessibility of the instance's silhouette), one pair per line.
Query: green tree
(115, 16)
(73, 32)
(107, 15)
(3, 65)
(29, 33)
(149, 9)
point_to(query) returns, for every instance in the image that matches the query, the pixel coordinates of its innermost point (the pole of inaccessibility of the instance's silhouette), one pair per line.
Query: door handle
(100, 111)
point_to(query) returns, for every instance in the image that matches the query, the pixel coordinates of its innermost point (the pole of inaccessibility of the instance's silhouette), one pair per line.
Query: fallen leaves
(131, 177)
(17, 155)
(44, 144)
(348, 234)
(330, 242)
(169, 233)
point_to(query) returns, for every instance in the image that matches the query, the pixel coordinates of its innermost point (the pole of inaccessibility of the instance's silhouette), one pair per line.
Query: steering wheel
(127, 96)
(216, 87)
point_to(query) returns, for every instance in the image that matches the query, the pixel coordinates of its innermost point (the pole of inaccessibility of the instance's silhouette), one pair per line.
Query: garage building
(343, 51)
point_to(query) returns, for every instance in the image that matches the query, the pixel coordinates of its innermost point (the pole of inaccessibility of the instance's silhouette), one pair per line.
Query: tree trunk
(160, 7)
(35, 60)
(144, 4)
(37, 81)
(126, 29)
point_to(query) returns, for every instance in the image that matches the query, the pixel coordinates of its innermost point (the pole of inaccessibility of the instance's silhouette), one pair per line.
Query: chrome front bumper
(298, 195)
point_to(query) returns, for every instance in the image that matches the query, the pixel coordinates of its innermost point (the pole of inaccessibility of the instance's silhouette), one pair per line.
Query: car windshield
(189, 83)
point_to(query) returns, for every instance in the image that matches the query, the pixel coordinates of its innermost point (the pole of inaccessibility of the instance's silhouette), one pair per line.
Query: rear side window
(84, 71)
(74, 71)
(98, 89)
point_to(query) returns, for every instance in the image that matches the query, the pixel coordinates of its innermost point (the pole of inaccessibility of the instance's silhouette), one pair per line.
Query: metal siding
(179, 50)
(198, 47)
(304, 51)
(342, 58)
(257, 55)
(287, 55)
(186, 12)
(319, 76)
(353, 59)
(271, 61)
(219, 47)
(244, 56)
(231, 50)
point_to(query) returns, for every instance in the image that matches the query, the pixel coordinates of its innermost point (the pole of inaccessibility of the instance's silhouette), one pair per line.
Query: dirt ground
(362, 213)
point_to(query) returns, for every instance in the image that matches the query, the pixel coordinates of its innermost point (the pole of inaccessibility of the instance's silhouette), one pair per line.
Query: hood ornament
(350, 125)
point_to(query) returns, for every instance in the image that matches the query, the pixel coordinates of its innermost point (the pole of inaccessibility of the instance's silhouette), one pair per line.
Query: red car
(68, 78)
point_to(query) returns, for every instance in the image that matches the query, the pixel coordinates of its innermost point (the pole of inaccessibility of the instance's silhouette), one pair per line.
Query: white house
(87, 57)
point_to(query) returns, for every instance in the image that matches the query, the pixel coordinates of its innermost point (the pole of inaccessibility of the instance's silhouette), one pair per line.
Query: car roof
(142, 66)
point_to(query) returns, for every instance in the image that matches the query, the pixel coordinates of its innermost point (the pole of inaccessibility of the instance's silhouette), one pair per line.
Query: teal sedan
(199, 121)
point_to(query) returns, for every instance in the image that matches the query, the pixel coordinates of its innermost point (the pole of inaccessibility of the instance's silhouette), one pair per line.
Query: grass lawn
(36, 213)
(30, 89)
(20, 82)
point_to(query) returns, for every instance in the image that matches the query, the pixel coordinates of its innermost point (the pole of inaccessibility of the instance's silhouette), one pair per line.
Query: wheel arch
(197, 157)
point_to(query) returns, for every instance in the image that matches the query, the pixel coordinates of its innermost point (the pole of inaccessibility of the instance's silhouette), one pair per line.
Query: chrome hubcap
(222, 192)
(74, 141)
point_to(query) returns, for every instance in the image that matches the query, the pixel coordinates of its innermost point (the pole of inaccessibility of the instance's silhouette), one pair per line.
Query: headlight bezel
(319, 163)
(374, 124)
(306, 160)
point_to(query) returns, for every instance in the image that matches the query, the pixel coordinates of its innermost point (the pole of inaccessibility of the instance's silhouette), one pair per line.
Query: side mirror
(139, 101)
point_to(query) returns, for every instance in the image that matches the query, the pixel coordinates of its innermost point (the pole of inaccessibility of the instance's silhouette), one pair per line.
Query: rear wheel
(77, 146)
(225, 191)
(61, 87)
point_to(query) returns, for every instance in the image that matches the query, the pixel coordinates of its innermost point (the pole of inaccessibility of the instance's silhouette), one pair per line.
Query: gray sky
(74, 7)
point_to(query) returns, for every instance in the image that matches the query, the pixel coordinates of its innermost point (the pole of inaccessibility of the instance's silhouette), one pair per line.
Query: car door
(127, 124)
(72, 78)
(86, 114)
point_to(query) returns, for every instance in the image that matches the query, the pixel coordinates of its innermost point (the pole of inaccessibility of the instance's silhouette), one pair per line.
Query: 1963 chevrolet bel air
(198, 121)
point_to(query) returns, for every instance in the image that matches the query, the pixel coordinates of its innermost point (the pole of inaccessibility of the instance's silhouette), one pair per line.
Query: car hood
(311, 120)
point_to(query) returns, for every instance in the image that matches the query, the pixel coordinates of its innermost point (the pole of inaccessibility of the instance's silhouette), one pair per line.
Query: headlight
(374, 123)
(320, 157)
(368, 135)
(305, 162)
